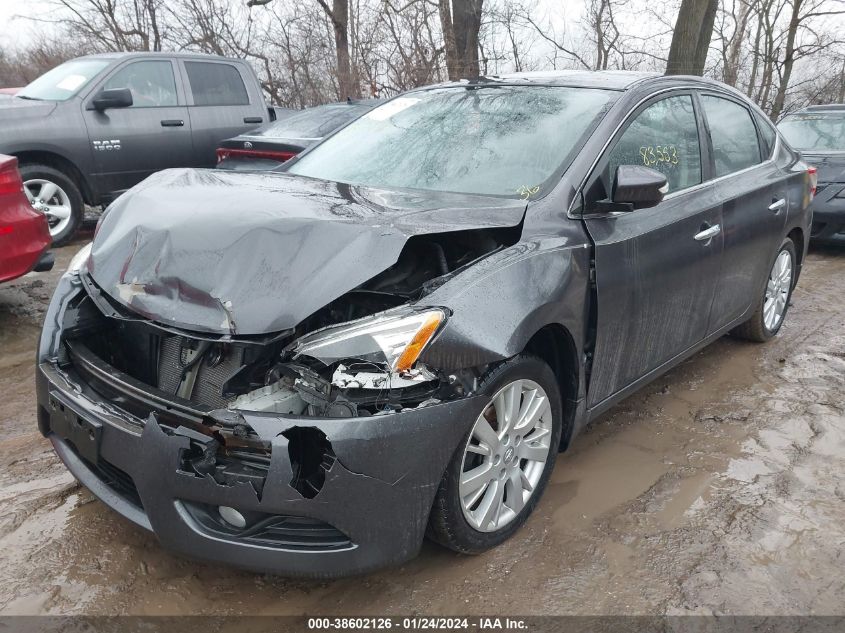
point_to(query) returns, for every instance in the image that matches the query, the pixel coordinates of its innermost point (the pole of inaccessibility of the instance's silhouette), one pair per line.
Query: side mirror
(113, 98)
(638, 186)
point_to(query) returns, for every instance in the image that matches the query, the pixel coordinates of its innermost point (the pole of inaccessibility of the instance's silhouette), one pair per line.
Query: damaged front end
(266, 440)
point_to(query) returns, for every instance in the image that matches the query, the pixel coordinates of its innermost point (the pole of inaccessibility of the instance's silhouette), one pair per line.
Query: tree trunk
(461, 23)
(452, 62)
(346, 86)
(788, 60)
(691, 37)
(731, 74)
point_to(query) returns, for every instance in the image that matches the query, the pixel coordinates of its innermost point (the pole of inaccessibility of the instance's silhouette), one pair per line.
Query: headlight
(395, 338)
(79, 259)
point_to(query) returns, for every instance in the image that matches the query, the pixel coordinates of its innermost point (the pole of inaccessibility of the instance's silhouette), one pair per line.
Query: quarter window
(663, 137)
(216, 84)
(732, 132)
(151, 83)
(767, 134)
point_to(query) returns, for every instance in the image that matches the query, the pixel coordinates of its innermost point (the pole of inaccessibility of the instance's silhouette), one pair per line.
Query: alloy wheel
(777, 291)
(50, 199)
(505, 455)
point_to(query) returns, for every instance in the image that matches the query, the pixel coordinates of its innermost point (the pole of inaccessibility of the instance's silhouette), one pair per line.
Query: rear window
(313, 123)
(815, 130)
(216, 84)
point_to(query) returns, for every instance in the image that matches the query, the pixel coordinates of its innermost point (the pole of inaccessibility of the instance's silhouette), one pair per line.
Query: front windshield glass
(815, 130)
(64, 81)
(503, 141)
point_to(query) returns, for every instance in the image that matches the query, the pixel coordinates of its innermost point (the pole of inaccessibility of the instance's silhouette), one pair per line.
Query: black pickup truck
(95, 126)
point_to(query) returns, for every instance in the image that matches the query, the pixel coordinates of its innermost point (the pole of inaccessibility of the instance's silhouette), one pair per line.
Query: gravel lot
(718, 488)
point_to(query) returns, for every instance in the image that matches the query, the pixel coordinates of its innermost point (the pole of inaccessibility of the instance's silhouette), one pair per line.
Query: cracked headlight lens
(395, 338)
(78, 260)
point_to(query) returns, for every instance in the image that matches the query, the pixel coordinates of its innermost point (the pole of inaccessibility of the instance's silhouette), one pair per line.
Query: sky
(13, 31)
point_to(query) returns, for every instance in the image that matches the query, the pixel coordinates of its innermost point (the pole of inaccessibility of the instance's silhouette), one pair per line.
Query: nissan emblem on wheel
(387, 341)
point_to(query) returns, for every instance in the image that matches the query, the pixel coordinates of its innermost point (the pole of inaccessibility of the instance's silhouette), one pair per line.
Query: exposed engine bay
(327, 366)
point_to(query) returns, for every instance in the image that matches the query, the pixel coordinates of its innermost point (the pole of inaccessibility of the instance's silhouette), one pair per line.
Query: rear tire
(514, 459)
(763, 325)
(64, 198)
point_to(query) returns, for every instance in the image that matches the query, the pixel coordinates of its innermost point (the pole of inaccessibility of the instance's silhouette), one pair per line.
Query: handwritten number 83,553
(659, 155)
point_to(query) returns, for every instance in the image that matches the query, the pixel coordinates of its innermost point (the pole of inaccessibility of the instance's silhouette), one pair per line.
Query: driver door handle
(708, 233)
(777, 205)
(172, 123)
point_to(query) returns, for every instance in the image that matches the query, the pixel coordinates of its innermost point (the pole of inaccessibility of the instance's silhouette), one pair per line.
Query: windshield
(313, 123)
(816, 130)
(64, 81)
(504, 141)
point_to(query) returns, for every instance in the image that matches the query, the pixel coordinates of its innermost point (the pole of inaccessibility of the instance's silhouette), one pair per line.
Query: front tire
(773, 305)
(501, 467)
(54, 194)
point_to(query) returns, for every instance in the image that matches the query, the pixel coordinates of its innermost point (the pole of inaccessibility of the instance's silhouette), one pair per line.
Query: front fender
(500, 303)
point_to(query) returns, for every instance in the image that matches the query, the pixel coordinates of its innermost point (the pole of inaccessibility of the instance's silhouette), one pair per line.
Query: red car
(24, 233)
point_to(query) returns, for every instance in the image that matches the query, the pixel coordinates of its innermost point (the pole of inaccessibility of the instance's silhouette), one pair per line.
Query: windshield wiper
(28, 98)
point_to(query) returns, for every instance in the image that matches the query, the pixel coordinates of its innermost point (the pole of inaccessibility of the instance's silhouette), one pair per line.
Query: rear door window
(663, 137)
(732, 132)
(215, 84)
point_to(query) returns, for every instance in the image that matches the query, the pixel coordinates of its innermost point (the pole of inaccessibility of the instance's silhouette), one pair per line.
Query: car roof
(181, 55)
(620, 80)
(829, 107)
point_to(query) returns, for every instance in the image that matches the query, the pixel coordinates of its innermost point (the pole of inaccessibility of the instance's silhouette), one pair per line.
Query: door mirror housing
(638, 186)
(112, 98)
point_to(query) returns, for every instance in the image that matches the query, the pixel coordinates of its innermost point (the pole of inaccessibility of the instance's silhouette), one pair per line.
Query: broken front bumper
(371, 510)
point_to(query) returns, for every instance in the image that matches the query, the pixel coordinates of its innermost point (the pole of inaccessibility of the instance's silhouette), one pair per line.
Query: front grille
(118, 480)
(211, 376)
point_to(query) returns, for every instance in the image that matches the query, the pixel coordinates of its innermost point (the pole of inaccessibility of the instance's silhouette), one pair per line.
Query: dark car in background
(93, 127)
(24, 233)
(395, 334)
(818, 132)
(270, 146)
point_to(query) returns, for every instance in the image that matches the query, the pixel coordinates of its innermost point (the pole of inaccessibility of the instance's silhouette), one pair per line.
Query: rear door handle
(253, 119)
(708, 233)
(172, 123)
(777, 205)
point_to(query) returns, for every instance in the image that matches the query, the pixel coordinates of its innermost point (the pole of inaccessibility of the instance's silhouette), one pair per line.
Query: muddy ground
(720, 488)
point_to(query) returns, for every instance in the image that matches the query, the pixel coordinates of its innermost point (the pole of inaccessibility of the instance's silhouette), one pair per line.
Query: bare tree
(113, 25)
(338, 14)
(460, 21)
(803, 11)
(691, 37)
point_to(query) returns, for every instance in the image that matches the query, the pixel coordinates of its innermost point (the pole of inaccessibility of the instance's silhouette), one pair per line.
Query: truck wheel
(500, 469)
(55, 195)
(774, 302)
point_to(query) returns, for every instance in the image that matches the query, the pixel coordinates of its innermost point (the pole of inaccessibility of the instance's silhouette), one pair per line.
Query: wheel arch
(554, 344)
(61, 163)
(797, 237)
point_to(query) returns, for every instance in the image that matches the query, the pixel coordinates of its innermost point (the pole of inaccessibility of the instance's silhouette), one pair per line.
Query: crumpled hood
(251, 253)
